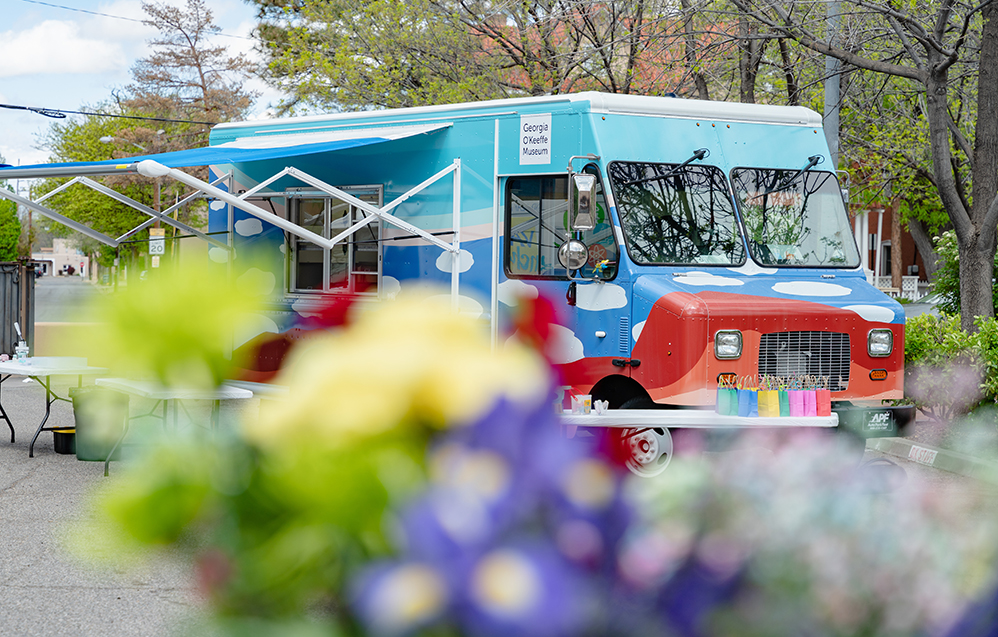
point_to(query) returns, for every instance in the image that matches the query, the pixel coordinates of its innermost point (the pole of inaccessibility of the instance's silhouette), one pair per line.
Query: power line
(58, 113)
(121, 17)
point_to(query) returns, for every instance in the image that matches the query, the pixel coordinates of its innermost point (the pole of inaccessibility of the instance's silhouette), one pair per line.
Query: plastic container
(100, 420)
(65, 441)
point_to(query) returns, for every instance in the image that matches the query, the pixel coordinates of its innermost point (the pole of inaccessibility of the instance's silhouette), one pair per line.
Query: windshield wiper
(697, 155)
(812, 161)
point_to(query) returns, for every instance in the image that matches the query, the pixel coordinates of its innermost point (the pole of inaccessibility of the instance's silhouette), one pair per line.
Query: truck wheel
(646, 452)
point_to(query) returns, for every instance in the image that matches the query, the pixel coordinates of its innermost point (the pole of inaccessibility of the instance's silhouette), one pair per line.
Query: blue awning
(253, 148)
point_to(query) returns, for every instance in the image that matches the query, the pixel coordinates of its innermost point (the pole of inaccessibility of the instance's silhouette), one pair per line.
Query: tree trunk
(750, 55)
(976, 239)
(897, 263)
(923, 243)
(976, 270)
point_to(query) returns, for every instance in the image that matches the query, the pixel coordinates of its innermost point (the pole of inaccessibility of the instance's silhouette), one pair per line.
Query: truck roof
(599, 103)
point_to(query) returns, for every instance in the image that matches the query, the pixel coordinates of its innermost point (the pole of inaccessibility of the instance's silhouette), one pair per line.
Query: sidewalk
(937, 457)
(43, 589)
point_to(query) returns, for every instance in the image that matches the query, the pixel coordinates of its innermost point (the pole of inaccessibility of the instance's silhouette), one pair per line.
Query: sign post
(157, 244)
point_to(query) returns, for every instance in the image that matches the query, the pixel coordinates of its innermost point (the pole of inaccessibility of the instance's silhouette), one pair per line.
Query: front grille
(822, 355)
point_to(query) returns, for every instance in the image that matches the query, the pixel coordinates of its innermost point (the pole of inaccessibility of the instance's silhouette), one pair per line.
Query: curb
(942, 459)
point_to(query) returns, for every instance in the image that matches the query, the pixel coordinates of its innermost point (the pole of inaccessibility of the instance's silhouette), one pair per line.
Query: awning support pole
(55, 216)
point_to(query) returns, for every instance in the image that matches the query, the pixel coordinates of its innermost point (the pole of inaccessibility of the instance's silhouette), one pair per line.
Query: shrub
(946, 282)
(949, 372)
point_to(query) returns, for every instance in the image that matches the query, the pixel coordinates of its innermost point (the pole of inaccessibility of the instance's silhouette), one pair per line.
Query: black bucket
(65, 441)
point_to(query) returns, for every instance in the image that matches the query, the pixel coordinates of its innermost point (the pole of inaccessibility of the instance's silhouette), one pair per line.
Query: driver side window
(537, 223)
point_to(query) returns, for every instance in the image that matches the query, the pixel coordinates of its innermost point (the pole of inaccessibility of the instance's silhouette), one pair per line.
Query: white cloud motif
(600, 296)
(466, 306)
(707, 278)
(218, 255)
(510, 292)
(256, 281)
(254, 325)
(637, 329)
(751, 268)
(390, 287)
(566, 346)
(217, 204)
(811, 288)
(872, 313)
(248, 227)
(464, 262)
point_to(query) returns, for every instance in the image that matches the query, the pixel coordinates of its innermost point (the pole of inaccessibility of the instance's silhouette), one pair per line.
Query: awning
(247, 149)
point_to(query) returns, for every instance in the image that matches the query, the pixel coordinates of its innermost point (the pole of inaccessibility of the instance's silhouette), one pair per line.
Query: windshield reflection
(793, 218)
(676, 215)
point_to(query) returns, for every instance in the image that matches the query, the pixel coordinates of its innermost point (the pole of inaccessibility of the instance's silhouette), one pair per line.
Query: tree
(183, 87)
(932, 49)
(391, 53)
(10, 228)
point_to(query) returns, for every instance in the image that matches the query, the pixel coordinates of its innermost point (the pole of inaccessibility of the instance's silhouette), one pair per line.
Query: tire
(646, 452)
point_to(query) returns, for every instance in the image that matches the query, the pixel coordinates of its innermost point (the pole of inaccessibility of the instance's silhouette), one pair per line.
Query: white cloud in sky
(56, 47)
(63, 59)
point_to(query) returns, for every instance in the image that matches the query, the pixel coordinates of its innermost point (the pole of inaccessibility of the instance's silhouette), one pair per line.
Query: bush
(949, 372)
(946, 282)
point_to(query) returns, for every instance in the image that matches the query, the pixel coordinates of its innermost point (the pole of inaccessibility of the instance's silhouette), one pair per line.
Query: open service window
(353, 264)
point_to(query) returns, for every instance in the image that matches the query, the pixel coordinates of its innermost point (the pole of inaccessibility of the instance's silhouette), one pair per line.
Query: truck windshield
(676, 216)
(794, 218)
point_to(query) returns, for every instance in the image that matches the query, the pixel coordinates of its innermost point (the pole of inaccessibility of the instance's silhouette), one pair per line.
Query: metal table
(42, 369)
(163, 395)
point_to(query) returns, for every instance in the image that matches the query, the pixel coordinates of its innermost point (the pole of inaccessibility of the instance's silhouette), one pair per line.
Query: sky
(58, 54)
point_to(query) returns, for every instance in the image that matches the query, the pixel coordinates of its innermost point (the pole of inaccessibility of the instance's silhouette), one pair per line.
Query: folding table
(42, 369)
(163, 395)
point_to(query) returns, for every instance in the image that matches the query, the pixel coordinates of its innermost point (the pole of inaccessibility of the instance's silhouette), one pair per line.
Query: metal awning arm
(363, 205)
(59, 189)
(150, 168)
(354, 228)
(263, 184)
(145, 224)
(55, 216)
(128, 201)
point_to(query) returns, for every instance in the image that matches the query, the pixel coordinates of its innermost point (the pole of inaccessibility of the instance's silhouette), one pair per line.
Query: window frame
(735, 214)
(507, 221)
(745, 237)
(293, 243)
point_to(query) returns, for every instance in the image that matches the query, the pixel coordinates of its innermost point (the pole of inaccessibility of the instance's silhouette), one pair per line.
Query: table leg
(3, 412)
(49, 399)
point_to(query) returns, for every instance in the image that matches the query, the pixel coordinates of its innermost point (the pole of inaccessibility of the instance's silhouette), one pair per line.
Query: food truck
(688, 244)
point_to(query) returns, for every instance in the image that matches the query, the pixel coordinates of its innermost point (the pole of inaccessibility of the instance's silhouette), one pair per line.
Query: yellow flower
(410, 360)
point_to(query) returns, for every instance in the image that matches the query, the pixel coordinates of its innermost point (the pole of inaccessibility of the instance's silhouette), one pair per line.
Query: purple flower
(527, 590)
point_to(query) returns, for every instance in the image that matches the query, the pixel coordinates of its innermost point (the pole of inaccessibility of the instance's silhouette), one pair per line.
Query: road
(64, 299)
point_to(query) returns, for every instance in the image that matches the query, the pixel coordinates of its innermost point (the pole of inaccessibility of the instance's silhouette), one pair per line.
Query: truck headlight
(728, 344)
(880, 343)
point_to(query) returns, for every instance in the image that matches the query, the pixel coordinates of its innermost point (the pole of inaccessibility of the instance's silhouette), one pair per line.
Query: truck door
(594, 306)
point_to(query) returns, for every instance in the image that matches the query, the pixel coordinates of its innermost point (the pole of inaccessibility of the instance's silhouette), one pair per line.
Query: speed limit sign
(157, 241)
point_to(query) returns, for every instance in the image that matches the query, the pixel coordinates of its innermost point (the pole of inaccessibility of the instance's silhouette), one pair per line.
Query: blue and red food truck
(691, 242)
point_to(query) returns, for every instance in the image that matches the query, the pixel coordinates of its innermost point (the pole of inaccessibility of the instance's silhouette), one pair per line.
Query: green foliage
(10, 230)
(949, 372)
(947, 279)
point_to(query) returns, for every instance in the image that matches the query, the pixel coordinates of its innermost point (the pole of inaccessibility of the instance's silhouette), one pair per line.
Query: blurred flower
(177, 327)
(400, 598)
(404, 361)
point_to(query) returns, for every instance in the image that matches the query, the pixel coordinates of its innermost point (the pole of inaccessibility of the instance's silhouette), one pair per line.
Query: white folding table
(164, 395)
(42, 369)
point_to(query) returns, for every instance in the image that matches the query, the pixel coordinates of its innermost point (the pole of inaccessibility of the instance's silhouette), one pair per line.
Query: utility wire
(121, 17)
(57, 113)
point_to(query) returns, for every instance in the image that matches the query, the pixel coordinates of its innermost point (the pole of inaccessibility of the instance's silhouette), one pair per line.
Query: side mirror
(582, 201)
(573, 255)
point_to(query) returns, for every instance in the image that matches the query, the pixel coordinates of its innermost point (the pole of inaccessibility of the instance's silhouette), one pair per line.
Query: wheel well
(617, 390)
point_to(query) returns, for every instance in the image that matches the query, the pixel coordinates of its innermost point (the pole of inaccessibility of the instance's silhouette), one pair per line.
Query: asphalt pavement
(45, 587)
